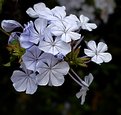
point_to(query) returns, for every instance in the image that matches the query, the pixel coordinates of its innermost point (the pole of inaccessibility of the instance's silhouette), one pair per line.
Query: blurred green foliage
(1, 3)
(104, 95)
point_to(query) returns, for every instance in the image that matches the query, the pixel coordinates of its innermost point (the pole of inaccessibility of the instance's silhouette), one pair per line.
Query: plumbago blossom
(97, 53)
(49, 48)
(24, 80)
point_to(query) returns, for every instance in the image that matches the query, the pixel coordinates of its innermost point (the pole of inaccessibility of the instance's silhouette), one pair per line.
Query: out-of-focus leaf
(1, 3)
(7, 64)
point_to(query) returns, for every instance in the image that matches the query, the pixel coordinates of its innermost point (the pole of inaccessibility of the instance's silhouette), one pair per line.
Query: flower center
(53, 44)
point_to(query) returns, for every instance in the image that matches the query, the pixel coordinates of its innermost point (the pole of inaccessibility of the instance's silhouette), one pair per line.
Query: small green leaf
(73, 59)
(7, 64)
(76, 52)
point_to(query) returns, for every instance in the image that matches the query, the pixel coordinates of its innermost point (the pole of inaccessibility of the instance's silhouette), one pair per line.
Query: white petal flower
(9, 25)
(65, 31)
(40, 10)
(52, 71)
(97, 52)
(24, 81)
(54, 45)
(85, 25)
(82, 93)
(31, 57)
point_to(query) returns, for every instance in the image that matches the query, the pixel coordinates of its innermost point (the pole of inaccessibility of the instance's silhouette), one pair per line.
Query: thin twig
(84, 84)
(75, 80)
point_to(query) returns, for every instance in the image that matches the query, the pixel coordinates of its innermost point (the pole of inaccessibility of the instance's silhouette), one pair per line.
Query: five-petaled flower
(24, 80)
(65, 31)
(51, 71)
(54, 45)
(32, 56)
(85, 25)
(98, 53)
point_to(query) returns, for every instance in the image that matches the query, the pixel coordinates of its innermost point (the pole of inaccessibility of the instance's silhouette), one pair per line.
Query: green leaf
(7, 64)
(76, 53)
(73, 59)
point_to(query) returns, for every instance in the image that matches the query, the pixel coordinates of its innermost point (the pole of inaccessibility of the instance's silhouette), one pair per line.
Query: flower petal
(97, 59)
(66, 38)
(62, 47)
(56, 79)
(106, 57)
(71, 19)
(39, 7)
(24, 41)
(61, 68)
(92, 45)
(102, 47)
(89, 53)
(31, 85)
(32, 13)
(9, 25)
(40, 25)
(89, 26)
(56, 30)
(74, 35)
(43, 11)
(88, 79)
(59, 12)
(83, 19)
(43, 78)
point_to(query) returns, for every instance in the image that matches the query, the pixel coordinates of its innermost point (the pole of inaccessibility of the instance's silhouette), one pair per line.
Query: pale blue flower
(85, 24)
(24, 80)
(32, 56)
(65, 31)
(33, 33)
(54, 45)
(97, 53)
(52, 71)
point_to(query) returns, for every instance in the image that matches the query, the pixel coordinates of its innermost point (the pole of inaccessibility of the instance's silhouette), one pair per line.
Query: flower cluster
(50, 45)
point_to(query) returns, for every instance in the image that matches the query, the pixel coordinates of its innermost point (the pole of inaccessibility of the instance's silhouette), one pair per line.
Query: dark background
(104, 96)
